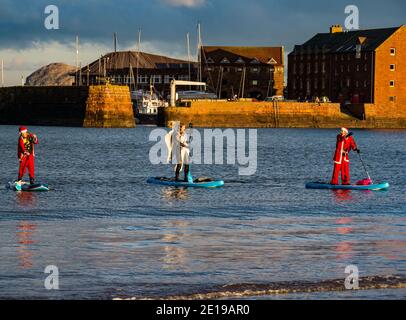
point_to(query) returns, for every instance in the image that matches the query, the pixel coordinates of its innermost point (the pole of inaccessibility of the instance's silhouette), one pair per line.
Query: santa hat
(344, 129)
(22, 129)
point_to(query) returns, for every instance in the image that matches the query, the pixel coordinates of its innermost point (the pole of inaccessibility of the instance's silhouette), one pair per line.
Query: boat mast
(188, 56)
(77, 59)
(199, 53)
(2, 73)
(138, 58)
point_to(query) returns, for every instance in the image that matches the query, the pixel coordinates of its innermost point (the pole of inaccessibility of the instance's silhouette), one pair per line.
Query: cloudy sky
(25, 43)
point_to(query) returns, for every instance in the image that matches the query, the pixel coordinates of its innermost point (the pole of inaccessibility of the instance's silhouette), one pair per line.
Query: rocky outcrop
(54, 74)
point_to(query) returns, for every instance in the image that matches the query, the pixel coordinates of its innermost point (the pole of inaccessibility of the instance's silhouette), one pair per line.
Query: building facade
(243, 72)
(139, 70)
(362, 66)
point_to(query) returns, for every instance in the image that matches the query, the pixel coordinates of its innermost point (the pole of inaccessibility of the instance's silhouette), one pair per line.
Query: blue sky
(25, 44)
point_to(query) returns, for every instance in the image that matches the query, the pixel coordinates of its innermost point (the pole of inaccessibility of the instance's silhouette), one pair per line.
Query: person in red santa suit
(26, 155)
(344, 144)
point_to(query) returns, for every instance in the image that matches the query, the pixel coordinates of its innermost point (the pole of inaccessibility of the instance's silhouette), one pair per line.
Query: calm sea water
(113, 235)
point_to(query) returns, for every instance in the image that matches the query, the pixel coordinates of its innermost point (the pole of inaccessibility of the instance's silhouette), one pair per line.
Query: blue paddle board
(197, 183)
(24, 186)
(323, 185)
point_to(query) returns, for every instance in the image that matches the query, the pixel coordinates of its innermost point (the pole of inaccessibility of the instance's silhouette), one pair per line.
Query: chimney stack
(336, 29)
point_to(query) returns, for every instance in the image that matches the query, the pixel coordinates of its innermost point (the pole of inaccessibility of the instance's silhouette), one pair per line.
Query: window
(224, 60)
(254, 82)
(183, 77)
(239, 60)
(210, 60)
(356, 84)
(315, 83)
(323, 67)
(392, 51)
(238, 69)
(156, 78)
(348, 82)
(308, 68)
(357, 67)
(392, 83)
(365, 83)
(316, 67)
(323, 83)
(167, 78)
(392, 67)
(348, 68)
(392, 99)
(342, 68)
(254, 69)
(141, 79)
(294, 84)
(365, 67)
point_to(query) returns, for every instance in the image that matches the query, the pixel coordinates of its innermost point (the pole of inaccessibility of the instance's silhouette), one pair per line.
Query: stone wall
(109, 106)
(282, 114)
(67, 106)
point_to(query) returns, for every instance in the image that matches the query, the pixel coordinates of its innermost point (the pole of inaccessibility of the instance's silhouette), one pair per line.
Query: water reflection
(26, 199)
(25, 233)
(171, 193)
(342, 196)
(175, 252)
(344, 249)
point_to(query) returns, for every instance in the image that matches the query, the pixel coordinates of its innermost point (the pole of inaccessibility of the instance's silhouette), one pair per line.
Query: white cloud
(185, 3)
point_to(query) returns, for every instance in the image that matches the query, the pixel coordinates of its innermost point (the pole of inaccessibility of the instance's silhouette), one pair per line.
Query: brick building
(365, 66)
(255, 72)
(137, 70)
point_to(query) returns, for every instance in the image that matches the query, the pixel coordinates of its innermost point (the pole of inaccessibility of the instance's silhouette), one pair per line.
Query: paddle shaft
(363, 165)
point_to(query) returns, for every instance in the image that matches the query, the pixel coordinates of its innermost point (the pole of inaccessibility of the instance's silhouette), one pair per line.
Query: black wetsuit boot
(186, 172)
(177, 172)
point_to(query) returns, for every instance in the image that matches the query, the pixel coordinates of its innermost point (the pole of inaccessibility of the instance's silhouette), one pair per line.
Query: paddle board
(25, 186)
(323, 185)
(197, 183)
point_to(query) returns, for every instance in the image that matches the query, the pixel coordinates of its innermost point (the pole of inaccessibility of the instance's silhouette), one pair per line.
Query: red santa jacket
(343, 146)
(26, 145)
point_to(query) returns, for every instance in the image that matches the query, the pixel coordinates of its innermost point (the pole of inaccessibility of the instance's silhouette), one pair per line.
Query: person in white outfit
(177, 141)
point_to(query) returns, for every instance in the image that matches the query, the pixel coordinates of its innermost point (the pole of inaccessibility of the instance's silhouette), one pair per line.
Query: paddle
(362, 161)
(363, 164)
(189, 174)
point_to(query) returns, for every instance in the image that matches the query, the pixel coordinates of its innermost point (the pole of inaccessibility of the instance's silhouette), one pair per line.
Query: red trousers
(26, 162)
(344, 167)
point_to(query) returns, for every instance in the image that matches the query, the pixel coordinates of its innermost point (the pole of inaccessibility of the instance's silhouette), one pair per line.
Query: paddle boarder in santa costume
(345, 143)
(26, 154)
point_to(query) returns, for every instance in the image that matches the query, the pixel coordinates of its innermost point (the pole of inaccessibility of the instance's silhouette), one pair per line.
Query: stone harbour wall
(93, 106)
(249, 114)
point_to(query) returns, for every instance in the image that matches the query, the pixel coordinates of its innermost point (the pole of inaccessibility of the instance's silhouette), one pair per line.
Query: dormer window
(239, 60)
(210, 60)
(225, 60)
(272, 61)
(392, 51)
(255, 60)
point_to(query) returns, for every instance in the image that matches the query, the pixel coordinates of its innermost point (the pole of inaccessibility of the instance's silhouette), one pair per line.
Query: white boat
(146, 105)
